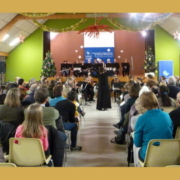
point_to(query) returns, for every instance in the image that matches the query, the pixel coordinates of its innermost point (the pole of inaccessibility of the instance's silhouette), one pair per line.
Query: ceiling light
(144, 33)
(133, 14)
(53, 35)
(14, 42)
(5, 37)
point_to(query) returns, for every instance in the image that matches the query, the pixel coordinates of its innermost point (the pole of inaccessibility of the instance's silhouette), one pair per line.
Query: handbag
(120, 138)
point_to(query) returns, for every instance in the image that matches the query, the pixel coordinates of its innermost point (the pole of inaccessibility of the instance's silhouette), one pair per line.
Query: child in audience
(32, 127)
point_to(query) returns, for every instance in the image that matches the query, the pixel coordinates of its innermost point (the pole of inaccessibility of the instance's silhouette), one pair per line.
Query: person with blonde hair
(12, 111)
(32, 127)
(153, 124)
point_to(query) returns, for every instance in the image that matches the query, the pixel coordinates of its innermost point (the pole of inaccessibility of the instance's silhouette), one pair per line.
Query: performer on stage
(103, 99)
(125, 68)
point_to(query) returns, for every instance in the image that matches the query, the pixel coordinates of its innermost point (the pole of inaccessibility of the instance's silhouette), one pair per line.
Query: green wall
(26, 59)
(167, 48)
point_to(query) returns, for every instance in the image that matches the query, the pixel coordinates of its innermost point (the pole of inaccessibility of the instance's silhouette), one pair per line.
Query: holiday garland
(36, 14)
(71, 28)
(122, 27)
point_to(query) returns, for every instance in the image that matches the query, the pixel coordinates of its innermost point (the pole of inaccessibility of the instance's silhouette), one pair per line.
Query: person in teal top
(57, 91)
(153, 124)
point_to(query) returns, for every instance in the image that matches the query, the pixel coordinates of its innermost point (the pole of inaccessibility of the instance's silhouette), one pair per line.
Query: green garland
(36, 14)
(121, 27)
(71, 28)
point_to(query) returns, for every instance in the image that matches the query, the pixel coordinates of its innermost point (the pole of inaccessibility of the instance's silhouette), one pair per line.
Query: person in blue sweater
(153, 124)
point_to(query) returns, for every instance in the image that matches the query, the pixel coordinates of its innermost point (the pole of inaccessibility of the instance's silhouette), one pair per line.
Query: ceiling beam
(8, 26)
(79, 16)
(4, 54)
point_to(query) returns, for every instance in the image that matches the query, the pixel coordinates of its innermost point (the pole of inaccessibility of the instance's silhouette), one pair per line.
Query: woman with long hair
(165, 102)
(12, 111)
(32, 127)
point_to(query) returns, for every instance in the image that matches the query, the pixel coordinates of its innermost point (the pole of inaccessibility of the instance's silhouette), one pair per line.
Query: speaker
(2, 67)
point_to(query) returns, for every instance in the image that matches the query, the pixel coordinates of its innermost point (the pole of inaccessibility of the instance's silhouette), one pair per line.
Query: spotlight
(144, 33)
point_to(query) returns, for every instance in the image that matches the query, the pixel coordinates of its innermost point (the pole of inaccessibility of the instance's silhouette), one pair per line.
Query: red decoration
(94, 30)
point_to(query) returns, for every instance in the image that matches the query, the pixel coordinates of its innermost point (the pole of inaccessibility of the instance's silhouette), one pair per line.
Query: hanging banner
(99, 49)
(99, 54)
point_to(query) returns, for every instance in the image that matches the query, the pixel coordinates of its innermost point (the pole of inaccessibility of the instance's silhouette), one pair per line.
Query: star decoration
(176, 35)
(21, 38)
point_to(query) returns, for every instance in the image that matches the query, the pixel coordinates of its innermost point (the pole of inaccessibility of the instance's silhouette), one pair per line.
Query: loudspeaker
(2, 67)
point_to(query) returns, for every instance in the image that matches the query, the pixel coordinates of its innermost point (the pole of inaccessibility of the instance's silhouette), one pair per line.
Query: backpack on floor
(120, 138)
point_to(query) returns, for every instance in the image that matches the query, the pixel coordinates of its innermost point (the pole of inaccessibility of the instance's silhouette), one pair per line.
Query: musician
(125, 68)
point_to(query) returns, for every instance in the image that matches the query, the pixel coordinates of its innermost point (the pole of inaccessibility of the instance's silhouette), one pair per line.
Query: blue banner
(166, 68)
(105, 54)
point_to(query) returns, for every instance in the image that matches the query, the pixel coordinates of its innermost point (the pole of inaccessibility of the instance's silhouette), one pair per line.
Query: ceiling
(15, 25)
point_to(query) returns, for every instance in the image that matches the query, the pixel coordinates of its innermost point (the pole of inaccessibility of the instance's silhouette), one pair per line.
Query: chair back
(7, 165)
(26, 152)
(177, 135)
(162, 152)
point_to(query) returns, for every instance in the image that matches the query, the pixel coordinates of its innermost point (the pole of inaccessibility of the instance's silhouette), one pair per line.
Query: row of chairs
(163, 152)
(26, 152)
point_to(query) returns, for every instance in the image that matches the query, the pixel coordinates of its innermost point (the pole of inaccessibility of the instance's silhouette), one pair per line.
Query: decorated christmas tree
(48, 68)
(149, 62)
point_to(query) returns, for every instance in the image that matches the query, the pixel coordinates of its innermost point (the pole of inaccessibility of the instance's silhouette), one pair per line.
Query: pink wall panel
(127, 45)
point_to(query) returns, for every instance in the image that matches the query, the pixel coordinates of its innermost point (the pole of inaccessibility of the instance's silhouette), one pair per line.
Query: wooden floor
(94, 136)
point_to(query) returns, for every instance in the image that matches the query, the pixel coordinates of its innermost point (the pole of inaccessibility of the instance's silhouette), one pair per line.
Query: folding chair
(177, 135)
(7, 165)
(161, 153)
(27, 152)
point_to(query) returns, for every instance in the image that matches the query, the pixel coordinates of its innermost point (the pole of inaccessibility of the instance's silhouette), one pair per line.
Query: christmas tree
(149, 62)
(48, 68)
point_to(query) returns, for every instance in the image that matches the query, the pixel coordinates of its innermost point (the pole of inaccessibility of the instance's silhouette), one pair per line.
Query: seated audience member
(21, 84)
(3, 95)
(67, 111)
(153, 124)
(117, 88)
(151, 83)
(32, 127)
(50, 114)
(50, 88)
(84, 87)
(165, 102)
(57, 92)
(173, 89)
(134, 93)
(139, 110)
(12, 111)
(175, 116)
(29, 99)
(72, 97)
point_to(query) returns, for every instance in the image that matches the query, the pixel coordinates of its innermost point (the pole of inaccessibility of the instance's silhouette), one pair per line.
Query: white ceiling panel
(2, 24)
(9, 17)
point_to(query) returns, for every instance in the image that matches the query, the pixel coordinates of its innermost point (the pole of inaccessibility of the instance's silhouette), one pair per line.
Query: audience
(67, 111)
(153, 124)
(32, 127)
(12, 111)
(173, 89)
(175, 116)
(50, 115)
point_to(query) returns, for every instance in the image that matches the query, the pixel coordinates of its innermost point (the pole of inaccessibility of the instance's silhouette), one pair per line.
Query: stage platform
(120, 77)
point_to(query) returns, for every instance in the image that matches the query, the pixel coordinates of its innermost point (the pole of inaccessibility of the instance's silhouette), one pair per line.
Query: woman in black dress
(103, 98)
